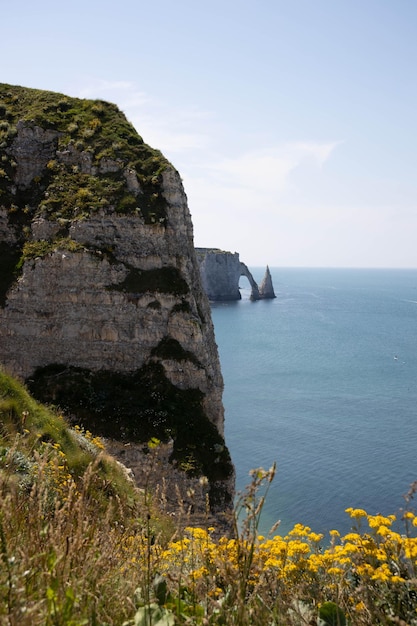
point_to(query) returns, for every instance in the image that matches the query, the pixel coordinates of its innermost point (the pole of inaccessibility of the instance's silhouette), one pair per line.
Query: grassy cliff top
(100, 126)
(93, 128)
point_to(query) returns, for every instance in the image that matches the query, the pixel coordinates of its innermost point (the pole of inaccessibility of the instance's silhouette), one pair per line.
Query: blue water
(323, 380)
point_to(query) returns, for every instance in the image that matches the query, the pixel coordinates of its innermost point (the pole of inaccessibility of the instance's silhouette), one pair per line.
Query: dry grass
(85, 547)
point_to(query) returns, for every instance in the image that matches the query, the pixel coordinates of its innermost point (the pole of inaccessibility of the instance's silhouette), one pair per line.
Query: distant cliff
(102, 310)
(220, 273)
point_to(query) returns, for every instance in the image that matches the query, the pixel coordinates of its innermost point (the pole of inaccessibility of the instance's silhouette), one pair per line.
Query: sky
(293, 123)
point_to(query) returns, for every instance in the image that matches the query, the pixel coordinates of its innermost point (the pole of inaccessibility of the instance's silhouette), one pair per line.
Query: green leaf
(331, 615)
(50, 594)
(160, 589)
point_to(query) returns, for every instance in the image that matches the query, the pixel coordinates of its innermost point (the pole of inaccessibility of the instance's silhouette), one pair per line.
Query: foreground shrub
(64, 564)
(80, 545)
(366, 577)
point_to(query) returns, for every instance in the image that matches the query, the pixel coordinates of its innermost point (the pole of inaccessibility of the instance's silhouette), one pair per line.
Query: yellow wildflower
(335, 571)
(397, 579)
(365, 569)
(356, 513)
(375, 521)
(299, 530)
(298, 547)
(382, 573)
(199, 573)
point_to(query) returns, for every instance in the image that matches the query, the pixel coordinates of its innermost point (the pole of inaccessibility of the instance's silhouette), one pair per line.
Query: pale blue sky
(292, 123)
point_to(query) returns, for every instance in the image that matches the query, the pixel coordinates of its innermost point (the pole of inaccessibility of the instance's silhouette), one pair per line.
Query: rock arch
(220, 273)
(254, 286)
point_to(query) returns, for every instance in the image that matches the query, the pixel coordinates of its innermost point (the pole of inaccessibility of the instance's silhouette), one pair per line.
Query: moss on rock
(95, 130)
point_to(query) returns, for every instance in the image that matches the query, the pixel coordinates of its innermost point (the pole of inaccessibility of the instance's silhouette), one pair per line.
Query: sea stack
(266, 289)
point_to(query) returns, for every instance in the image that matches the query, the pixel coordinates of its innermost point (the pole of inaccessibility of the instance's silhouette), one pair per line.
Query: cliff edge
(102, 311)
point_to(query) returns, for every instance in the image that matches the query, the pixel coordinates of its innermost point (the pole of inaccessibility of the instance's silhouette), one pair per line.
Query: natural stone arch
(244, 271)
(220, 272)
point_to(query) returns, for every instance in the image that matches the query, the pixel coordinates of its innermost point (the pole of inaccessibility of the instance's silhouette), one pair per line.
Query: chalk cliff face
(102, 311)
(220, 273)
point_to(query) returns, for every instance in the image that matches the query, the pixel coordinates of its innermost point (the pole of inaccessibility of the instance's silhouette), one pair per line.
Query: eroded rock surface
(102, 311)
(266, 289)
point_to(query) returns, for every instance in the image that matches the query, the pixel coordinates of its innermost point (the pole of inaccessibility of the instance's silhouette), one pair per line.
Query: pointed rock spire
(266, 289)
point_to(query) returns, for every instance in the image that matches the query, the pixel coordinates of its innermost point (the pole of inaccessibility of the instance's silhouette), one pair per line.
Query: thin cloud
(319, 152)
(268, 172)
(163, 126)
(245, 192)
(180, 131)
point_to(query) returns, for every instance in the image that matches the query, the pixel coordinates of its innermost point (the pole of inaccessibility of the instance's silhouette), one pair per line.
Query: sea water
(323, 380)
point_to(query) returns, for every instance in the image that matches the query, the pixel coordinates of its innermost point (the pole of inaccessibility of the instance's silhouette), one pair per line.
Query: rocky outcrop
(102, 311)
(266, 290)
(220, 273)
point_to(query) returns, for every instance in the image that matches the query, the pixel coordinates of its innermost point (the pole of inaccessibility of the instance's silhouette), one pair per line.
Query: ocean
(323, 381)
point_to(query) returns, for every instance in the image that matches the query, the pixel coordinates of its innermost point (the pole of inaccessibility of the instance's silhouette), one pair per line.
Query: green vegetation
(67, 514)
(96, 124)
(74, 195)
(80, 545)
(87, 153)
(94, 128)
(33, 249)
(36, 430)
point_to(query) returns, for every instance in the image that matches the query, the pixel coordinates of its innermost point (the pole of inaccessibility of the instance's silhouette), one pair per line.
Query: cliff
(220, 273)
(102, 311)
